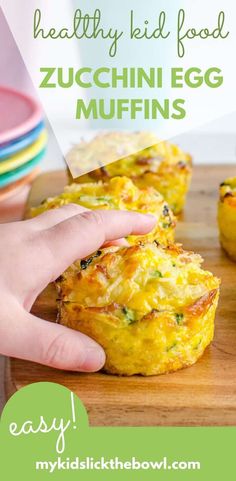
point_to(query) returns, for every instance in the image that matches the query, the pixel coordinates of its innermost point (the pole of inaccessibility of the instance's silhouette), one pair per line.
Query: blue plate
(9, 177)
(21, 143)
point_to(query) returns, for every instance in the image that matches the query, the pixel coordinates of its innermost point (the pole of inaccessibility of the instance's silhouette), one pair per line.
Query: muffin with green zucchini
(122, 194)
(227, 216)
(152, 308)
(163, 166)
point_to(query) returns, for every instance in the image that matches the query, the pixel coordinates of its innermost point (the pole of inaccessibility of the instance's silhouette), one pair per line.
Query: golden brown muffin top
(137, 280)
(117, 193)
(228, 191)
(129, 149)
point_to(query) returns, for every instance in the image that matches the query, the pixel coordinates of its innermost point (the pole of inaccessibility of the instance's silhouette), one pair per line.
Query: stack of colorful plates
(23, 140)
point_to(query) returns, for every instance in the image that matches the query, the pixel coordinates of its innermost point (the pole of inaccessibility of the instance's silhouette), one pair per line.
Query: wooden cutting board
(204, 394)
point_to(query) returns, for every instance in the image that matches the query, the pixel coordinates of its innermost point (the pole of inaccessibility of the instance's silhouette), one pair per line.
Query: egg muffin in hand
(118, 193)
(163, 166)
(152, 308)
(227, 216)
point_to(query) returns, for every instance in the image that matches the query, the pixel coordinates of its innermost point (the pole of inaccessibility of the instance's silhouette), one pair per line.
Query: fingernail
(94, 358)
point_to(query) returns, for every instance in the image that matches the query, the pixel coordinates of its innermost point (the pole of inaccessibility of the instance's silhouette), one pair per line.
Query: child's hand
(34, 253)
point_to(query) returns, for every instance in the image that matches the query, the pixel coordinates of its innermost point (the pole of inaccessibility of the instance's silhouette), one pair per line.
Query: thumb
(54, 345)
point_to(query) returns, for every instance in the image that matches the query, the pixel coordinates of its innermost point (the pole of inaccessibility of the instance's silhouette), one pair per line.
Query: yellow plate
(25, 155)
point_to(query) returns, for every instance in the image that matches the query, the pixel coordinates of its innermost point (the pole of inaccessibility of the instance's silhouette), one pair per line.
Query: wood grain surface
(204, 394)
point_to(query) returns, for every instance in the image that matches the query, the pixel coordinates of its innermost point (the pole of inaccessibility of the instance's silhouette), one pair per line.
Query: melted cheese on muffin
(118, 193)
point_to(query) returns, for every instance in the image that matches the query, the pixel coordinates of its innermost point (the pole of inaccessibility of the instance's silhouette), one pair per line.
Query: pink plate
(19, 114)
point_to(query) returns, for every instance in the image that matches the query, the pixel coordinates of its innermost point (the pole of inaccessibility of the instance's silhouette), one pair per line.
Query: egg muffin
(162, 165)
(152, 308)
(122, 194)
(227, 216)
